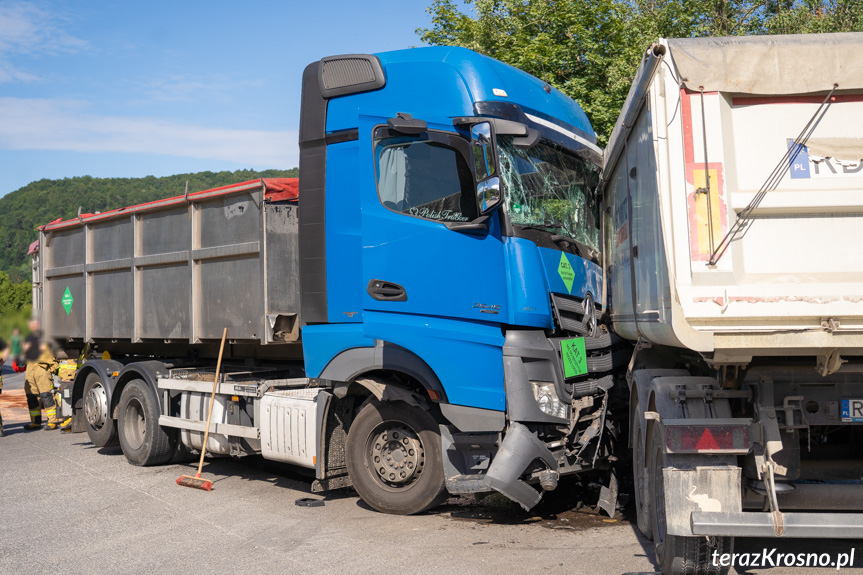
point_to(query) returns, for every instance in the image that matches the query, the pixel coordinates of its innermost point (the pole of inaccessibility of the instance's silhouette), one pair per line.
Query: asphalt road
(69, 507)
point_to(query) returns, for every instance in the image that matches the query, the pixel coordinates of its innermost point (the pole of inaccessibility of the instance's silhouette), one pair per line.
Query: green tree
(38, 203)
(14, 296)
(590, 49)
(15, 305)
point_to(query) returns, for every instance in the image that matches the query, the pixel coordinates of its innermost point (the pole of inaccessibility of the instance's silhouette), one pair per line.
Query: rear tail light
(707, 438)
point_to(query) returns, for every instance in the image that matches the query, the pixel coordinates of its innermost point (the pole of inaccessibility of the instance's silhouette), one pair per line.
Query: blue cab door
(421, 183)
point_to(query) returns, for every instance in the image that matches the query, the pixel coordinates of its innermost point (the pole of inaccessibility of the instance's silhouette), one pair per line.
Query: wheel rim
(134, 424)
(395, 455)
(96, 406)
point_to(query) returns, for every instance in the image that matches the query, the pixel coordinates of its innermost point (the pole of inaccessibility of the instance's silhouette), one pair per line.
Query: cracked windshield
(550, 189)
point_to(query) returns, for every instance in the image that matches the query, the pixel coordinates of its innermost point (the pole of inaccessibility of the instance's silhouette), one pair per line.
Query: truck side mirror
(488, 194)
(485, 167)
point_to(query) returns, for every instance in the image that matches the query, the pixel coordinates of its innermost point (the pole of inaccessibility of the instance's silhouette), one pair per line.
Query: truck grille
(570, 317)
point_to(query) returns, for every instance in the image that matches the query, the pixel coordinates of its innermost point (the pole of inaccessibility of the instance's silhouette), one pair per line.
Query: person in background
(38, 384)
(15, 346)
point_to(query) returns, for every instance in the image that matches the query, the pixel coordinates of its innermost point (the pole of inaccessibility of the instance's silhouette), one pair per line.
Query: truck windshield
(551, 189)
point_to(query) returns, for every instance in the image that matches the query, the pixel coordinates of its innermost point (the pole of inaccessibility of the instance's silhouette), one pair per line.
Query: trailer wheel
(677, 555)
(100, 425)
(644, 511)
(394, 458)
(143, 441)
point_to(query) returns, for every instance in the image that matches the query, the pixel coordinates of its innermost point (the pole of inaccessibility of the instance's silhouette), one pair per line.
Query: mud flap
(703, 489)
(519, 449)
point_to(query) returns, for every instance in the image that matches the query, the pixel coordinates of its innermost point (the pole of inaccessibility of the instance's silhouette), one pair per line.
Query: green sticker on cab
(574, 357)
(567, 274)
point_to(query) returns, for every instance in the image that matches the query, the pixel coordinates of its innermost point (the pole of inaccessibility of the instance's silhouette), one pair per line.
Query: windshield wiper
(581, 250)
(540, 227)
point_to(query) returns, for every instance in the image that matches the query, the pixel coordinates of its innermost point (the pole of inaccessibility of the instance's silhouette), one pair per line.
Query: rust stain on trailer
(720, 301)
(819, 300)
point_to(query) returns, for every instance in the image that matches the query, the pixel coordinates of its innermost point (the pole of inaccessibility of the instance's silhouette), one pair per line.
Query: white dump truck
(733, 205)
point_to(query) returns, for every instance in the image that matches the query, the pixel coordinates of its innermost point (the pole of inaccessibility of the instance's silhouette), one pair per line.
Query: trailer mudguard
(149, 371)
(693, 483)
(104, 368)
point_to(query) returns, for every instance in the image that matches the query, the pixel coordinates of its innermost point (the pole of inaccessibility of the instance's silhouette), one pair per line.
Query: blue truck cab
(450, 265)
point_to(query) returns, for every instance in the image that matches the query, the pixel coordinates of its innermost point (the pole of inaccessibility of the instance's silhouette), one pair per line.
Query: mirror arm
(528, 141)
(406, 124)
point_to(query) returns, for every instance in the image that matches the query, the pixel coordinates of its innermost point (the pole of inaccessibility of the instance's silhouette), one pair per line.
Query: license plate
(852, 411)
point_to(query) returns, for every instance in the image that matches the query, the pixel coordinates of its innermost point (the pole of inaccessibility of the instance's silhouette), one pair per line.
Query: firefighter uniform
(38, 387)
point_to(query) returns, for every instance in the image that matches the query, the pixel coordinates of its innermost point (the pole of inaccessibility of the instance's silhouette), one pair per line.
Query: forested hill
(40, 202)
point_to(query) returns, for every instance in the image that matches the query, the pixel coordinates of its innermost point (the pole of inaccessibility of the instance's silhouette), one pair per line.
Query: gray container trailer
(175, 272)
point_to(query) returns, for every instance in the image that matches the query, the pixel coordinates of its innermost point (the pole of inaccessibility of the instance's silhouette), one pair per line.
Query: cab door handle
(386, 291)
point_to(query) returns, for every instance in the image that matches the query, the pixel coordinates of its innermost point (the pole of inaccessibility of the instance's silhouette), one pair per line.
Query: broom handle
(212, 401)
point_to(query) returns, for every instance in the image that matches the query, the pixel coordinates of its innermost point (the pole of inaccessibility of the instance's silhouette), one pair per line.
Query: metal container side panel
(109, 279)
(228, 294)
(227, 281)
(652, 292)
(162, 282)
(230, 220)
(162, 297)
(64, 296)
(112, 240)
(111, 313)
(282, 274)
(618, 274)
(65, 306)
(64, 248)
(164, 232)
(636, 241)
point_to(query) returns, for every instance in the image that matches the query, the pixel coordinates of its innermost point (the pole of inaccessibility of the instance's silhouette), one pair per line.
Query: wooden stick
(212, 401)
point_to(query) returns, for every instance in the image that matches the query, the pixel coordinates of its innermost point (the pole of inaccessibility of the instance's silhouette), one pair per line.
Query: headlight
(546, 397)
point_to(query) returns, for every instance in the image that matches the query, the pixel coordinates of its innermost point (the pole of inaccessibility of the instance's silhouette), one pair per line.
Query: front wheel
(675, 554)
(394, 458)
(98, 421)
(143, 441)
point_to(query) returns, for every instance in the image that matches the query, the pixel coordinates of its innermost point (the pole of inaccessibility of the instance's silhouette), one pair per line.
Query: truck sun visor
(350, 74)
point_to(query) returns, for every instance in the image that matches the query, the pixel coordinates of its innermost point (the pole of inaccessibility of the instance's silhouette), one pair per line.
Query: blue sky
(129, 88)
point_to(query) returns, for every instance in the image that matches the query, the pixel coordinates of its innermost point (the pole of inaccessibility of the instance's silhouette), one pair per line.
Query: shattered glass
(548, 188)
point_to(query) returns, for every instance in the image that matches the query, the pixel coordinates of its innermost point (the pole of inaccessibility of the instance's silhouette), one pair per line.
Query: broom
(196, 482)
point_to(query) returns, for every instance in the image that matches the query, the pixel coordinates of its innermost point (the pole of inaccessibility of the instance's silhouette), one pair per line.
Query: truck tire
(180, 453)
(394, 458)
(143, 440)
(677, 555)
(97, 414)
(640, 478)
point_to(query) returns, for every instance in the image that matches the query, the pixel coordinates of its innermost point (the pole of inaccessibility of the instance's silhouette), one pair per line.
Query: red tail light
(707, 438)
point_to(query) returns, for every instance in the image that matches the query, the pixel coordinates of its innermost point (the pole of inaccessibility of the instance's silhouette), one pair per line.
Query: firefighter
(38, 383)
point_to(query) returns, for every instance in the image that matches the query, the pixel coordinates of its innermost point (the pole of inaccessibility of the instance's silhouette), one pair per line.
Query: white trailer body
(733, 202)
(792, 281)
